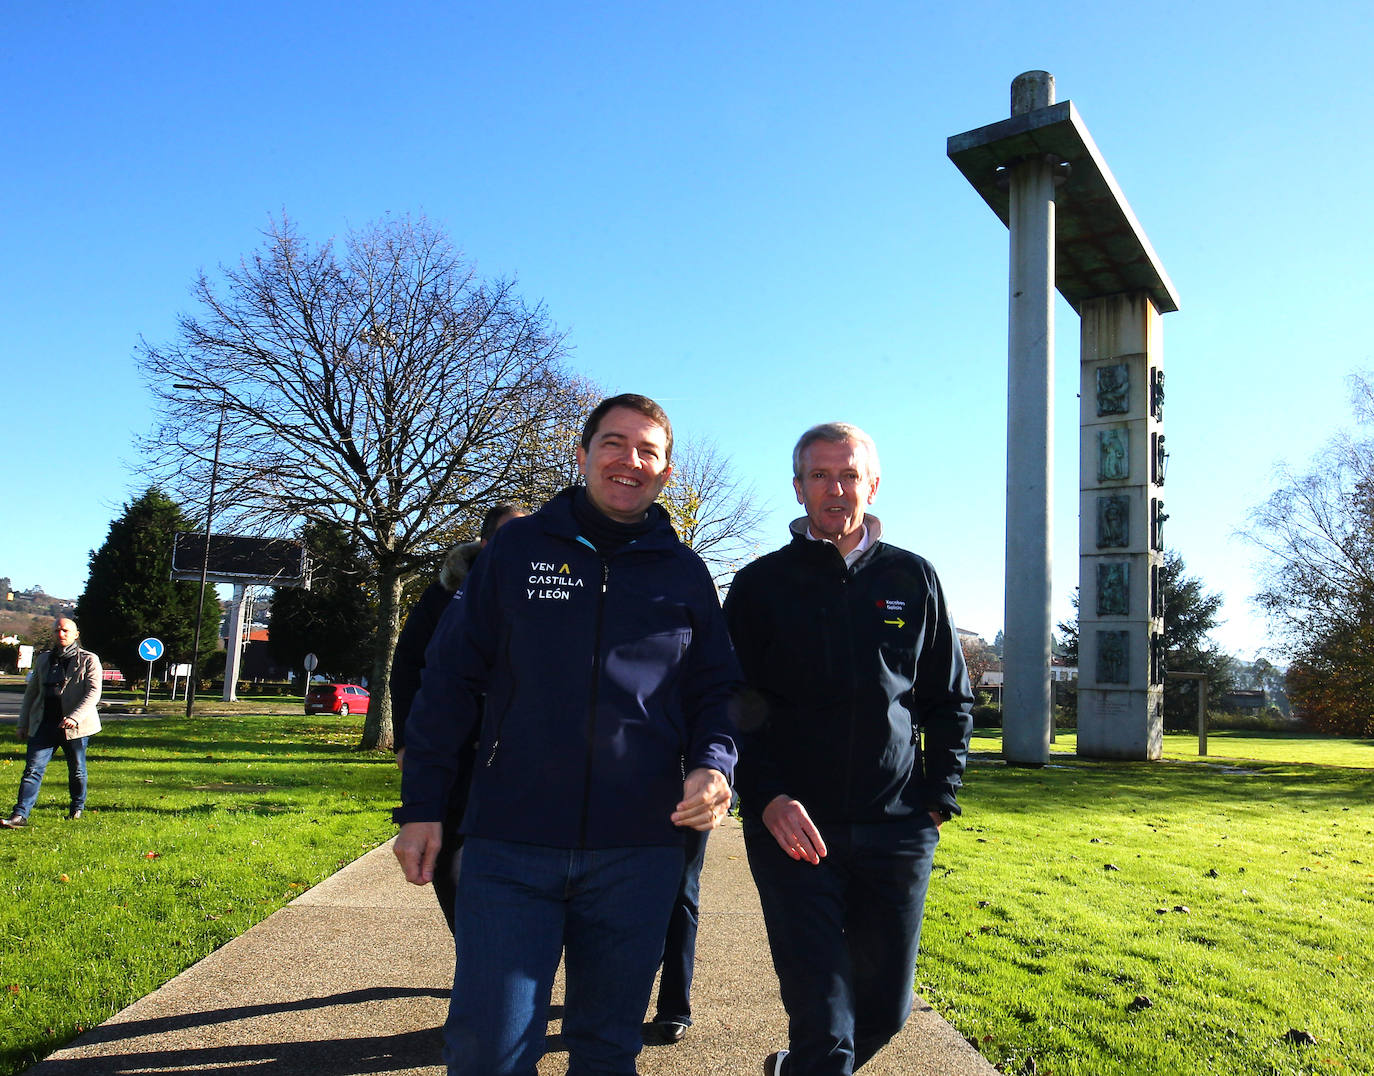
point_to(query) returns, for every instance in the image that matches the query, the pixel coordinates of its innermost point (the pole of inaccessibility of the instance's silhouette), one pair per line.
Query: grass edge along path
(194, 832)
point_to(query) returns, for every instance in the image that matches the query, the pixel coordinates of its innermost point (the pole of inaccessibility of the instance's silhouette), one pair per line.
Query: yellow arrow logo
(899, 622)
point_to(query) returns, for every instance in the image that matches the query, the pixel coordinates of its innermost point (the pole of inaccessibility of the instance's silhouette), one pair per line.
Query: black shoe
(14, 821)
(669, 1031)
(772, 1064)
(74, 813)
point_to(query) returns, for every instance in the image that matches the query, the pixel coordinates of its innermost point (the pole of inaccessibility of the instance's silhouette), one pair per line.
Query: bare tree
(384, 387)
(714, 511)
(1318, 582)
(1318, 529)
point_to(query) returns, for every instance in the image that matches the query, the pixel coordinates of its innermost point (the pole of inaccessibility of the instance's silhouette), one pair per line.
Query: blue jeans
(519, 906)
(37, 756)
(844, 936)
(680, 946)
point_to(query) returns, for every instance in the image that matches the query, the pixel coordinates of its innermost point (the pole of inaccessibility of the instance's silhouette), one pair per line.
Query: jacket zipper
(591, 713)
(845, 598)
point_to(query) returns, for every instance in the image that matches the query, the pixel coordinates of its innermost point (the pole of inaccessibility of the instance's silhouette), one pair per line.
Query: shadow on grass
(324, 1055)
(210, 807)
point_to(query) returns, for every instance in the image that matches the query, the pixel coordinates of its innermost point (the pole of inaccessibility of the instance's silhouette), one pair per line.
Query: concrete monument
(1072, 229)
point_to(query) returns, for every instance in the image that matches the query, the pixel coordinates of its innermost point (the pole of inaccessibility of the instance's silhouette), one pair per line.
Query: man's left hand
(705, 800)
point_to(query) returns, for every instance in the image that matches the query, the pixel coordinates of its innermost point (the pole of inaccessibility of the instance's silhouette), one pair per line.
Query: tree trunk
(377, 732)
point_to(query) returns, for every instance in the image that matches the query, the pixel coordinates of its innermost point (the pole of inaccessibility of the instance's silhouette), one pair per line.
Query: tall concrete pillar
(1030, 448)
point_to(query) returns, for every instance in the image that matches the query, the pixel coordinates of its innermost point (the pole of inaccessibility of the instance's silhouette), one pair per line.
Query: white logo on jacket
(551, 581)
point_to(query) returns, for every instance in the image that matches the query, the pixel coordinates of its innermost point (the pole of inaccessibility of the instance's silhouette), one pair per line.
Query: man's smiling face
(626, 465)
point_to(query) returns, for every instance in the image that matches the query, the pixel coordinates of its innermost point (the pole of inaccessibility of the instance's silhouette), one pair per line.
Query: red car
(336, 699)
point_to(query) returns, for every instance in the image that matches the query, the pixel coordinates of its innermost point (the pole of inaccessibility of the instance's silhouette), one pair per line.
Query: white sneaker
(772, 1064)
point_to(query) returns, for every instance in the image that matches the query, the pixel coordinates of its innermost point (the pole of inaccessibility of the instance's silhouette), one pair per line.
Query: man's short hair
(836, 433)
(645, 406)
(495, 515)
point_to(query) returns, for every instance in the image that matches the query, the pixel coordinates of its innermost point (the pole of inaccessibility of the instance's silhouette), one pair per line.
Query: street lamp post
(205, 554)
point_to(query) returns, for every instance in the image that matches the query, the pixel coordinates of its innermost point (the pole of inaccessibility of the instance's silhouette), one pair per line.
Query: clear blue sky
(744, 210)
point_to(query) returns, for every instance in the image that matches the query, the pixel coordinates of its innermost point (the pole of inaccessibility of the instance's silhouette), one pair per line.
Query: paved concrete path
(352, 977)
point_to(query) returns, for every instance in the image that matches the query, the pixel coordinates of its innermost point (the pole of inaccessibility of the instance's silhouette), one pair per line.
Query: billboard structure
(276, 562)
(244, 563)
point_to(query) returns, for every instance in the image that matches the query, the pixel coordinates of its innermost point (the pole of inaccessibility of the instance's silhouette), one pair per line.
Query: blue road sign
(150, 649)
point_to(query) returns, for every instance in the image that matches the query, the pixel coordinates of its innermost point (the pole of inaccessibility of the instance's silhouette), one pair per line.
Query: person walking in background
(591, 651)
(406, 668)
(850, 657)
(58, 710)
(673, 1011)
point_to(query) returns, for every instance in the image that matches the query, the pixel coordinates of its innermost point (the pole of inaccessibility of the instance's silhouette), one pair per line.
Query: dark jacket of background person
(845, 666)
(606, 677)
(409, 660)
(79, 695)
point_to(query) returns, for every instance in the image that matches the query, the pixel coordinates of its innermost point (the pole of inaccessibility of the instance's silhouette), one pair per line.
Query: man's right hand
(416, 848)
(793, 829)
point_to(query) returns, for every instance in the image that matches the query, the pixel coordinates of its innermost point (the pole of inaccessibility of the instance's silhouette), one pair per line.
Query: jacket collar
(557, 518)
(798, 529)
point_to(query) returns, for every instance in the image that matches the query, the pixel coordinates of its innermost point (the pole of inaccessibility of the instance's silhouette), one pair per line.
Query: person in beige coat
(58, 711)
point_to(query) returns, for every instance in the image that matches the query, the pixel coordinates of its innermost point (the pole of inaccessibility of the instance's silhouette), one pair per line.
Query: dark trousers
(844, 936)
(449, 860)
(680, 946)
(446, 866)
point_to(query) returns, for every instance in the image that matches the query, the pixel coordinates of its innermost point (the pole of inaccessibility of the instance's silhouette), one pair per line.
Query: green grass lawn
(1227, 744)
(194, 832)
(1233, 895)
(1180, 917)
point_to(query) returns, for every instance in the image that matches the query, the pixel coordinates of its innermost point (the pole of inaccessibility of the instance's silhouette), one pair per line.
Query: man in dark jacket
(849, 655)
(406, 667)
(591, 647)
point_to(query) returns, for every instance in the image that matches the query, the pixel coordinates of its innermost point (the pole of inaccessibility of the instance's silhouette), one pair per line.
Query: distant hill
(25, 612)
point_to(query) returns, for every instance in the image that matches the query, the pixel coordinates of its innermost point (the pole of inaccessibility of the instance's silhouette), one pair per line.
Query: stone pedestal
(1121, 521)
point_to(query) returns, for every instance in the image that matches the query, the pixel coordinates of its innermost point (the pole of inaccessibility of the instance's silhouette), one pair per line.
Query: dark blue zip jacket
(606, 679)
(846, 668)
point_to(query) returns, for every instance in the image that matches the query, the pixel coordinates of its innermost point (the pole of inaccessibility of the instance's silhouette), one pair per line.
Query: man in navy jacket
(850, 656)
(591, 652)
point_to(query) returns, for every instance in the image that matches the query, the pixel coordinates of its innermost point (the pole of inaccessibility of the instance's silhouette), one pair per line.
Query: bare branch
(383, 387)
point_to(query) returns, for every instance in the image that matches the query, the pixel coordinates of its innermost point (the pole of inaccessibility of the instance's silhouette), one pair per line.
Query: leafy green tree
(336, 619)
(1190, 616)
(130, 595)
(1263, 675)
(1067, 643)
(1331, 682)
